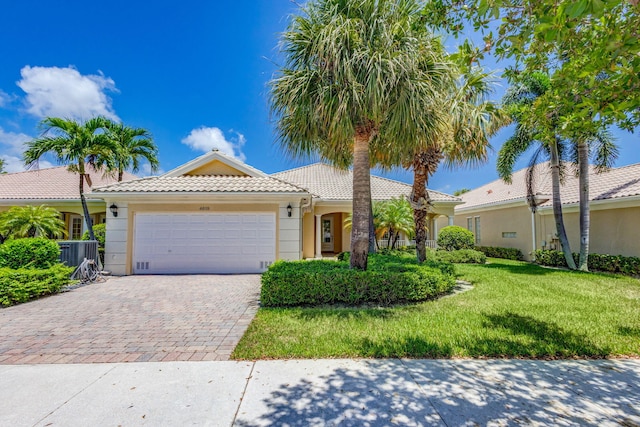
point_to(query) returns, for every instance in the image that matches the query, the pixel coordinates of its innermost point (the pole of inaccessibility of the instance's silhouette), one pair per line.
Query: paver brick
(132, 319)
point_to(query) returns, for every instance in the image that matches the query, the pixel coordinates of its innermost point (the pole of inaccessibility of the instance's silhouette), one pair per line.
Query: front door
(327, 234)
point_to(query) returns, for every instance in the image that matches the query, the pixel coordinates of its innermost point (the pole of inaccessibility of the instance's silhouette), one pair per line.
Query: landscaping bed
(515, 310)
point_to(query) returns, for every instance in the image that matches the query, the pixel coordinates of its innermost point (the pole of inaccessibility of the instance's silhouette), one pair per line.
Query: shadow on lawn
(346, 313)
(529, 338)
(629, 331)
(528, 269)
(443, 392)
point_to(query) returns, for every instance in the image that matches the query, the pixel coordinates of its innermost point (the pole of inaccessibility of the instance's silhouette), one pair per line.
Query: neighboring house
(216, 214)
(58, 188)
(498, 213)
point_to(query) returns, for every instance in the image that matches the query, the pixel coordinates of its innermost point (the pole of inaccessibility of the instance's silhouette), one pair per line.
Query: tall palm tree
(602, 143)
(133, 145)
(462, 138)
(519, 99)
(80, 145)
(355, 74)
(29, 221)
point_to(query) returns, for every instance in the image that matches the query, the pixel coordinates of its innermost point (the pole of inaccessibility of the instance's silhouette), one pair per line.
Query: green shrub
(462, 256)
(36, 252)
(388, 280)
(452, 238)
(596, 262)
(497, 252)
(344, 256)
(21, 285)
(100, 232)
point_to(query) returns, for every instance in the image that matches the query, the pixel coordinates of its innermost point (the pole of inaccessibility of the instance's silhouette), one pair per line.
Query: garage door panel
(188, 243)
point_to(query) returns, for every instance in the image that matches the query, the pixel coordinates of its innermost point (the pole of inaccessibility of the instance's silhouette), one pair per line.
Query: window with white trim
(509, 235)
(477, 224)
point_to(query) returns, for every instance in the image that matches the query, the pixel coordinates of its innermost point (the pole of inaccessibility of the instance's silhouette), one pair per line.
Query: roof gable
(215, 163)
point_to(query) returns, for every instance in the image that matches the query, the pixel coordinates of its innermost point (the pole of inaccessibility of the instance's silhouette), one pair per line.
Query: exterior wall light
(114, 209)
(289, 210)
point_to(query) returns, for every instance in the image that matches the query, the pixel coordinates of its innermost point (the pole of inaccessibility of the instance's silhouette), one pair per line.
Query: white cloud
(15, 164)
(64, 92)
(11, 149)
(207, 138)
(4, 98)
(13, 143)
(145, 171)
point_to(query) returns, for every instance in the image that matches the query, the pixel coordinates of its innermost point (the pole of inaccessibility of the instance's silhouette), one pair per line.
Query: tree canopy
(590, 48)
(357, 76)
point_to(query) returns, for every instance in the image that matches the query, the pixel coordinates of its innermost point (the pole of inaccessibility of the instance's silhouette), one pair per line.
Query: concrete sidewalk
(323, 393)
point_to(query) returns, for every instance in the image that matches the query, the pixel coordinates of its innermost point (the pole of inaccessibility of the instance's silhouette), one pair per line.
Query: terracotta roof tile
(202, 184)
(613, 184)
(330, 183)
(49, 184)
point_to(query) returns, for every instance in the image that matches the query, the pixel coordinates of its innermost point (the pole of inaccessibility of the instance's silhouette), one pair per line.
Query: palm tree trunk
(85, 209)
(361, 199)
(557, 206)
(120, 174)
(419, 214)
(583, 164)
(389, 238)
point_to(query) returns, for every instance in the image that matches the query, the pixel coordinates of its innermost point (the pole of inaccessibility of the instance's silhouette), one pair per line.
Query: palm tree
(29, 221)
(396, 217)
(467, 122)
(133, 145)
(602, 143)
(519, 99)
(356, 75)
(79, 145)
(2, 166)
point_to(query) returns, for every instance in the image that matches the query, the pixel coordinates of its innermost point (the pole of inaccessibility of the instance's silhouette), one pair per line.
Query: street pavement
(341, 392)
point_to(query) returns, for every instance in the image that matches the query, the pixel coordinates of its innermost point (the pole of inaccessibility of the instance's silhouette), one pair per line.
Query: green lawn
(515, 310)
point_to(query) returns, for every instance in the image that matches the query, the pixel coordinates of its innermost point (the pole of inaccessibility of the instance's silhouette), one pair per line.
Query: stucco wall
(493, 223)
(612, 231)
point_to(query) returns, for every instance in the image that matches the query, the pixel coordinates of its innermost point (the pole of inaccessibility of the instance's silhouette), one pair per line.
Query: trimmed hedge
(389, 279)
(453, 237)
(22, 285)
(462, 256)
(497, 252)
(34, 252)
(597, 262)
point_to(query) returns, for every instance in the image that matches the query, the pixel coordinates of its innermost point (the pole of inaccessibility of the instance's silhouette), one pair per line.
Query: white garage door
(191, 243)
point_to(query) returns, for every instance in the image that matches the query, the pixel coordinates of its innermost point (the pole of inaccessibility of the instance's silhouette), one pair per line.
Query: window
(76, 228)
(470, 224)
(509, 235)
(477, 223)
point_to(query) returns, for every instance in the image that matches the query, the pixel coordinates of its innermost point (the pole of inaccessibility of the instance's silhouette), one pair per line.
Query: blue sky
(193, 73)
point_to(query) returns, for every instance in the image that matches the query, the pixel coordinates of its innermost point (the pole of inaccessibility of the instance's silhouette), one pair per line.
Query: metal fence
(73, 252)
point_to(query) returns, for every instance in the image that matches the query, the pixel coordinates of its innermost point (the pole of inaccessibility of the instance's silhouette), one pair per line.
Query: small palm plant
(396, 219)
(31, 221)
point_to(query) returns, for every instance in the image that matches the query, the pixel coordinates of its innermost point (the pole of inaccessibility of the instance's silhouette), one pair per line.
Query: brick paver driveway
(132, 319)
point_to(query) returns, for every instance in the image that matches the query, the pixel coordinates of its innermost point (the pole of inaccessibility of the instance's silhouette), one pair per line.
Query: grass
(516, 310)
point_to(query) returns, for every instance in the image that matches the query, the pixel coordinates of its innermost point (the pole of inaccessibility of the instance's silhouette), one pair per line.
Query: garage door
(191, 243)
